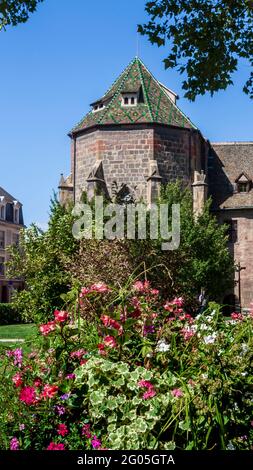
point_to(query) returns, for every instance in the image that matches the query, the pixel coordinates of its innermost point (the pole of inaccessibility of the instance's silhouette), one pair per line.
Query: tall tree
(206, 39)
(13, 12)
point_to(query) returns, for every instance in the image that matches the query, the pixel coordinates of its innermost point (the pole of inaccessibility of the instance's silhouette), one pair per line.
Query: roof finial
(137, 45)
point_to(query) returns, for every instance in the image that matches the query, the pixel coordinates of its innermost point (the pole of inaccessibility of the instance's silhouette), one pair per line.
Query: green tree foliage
(13, 12)
(40, 260)
(205, 39)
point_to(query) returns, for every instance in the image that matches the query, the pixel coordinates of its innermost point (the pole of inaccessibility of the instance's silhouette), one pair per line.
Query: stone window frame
(2, 211)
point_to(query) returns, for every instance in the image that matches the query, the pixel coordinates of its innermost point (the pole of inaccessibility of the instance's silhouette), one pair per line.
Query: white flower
(230, 446)
(162, 346)
(210, 338)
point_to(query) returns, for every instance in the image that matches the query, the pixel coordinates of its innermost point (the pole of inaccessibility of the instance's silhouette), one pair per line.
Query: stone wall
(242, 251)
(126, 153)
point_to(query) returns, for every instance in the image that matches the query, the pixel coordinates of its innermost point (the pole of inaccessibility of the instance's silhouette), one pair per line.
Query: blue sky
(62, 59)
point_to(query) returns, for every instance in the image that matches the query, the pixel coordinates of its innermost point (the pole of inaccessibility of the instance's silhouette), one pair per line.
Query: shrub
(143, 375)
(9, 315)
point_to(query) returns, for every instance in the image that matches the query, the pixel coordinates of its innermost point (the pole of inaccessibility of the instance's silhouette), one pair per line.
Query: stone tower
(134, 139)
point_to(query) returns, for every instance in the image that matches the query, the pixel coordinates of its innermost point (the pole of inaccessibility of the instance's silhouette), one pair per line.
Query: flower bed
(145, 374)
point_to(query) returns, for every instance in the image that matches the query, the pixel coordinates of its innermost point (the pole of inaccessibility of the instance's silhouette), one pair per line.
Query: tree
(40, 260)
(206, 40)
(13, 12)
(202, 260)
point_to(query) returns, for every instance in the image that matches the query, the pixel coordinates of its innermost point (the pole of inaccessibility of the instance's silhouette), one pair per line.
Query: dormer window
(98, 107)
(129, 99)
(243, 183)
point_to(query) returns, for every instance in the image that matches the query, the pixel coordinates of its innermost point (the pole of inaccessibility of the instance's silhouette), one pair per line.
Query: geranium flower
(86, 431)
(17, 380)
(111, 323)
(187, 333)
(162, 346)
(101, 349)
(49, 391)
(110, 342)
(28, 395)
(21, 427)
(96, 443)
(60, 316)
(62, 430)
(150, 393)
(14, 444)
(56, 446)
(47, 328)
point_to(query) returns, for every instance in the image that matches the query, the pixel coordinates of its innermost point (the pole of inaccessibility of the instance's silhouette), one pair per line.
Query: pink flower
(145, 384)
(70, 376)
(17, 380)
(28, 396)
(47, 328)
(84, 291)
(80, 353)
(187, 333)
(96, 443)
(62, 430)
(14, 444)
(60, 316)
(100, 287)
(177, 392)
(236, 316)
(49, 391)
(150, 393)
(169, 307)
(140, 286)
(178, 301)
(110, 342)
(55, 446)
(86, 431)
(154, 291)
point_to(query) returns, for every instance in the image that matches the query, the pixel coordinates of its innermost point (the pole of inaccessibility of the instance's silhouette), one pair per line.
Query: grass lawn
(25, 332)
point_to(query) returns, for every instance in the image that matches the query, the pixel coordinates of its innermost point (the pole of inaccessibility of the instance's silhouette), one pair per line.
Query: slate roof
(7, 195)
(227, 161)
(157, 107)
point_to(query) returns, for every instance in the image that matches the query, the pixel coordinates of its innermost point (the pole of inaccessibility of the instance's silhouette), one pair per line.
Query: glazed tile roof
(157, 106)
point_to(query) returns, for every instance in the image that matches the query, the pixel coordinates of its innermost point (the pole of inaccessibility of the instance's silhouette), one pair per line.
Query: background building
(135, 138)
(11, 221)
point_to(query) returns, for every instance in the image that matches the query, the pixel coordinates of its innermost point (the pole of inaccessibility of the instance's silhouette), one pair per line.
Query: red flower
(60, 316)
(54, 446)
(237, 316)
(62, 430)
(49, 391)
(28, 396)
(17, 380)
(37, 382)
(101, 348)
(110, 342)
(86, 431)
(111, 323)
(47, 328)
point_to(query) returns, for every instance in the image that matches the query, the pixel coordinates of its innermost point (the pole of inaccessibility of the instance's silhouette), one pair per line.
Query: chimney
(199, 189)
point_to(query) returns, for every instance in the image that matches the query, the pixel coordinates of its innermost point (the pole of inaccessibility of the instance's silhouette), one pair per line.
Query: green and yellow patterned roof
(156, 105)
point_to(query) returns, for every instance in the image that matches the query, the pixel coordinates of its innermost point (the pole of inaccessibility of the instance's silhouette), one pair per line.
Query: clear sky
(62, 59)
